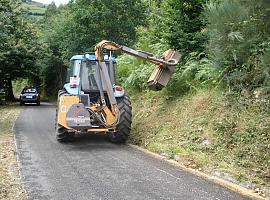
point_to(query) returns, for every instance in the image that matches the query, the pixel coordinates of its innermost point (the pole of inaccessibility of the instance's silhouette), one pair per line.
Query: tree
(183, 25)
(51, 10)
(76, 27)
(81, 24)
(19, 46)
(239, 41)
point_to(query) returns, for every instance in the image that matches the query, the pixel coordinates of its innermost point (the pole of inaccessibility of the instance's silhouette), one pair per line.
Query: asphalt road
(93, 168)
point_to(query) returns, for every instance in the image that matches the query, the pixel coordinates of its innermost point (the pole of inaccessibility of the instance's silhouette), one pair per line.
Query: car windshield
(29, 90)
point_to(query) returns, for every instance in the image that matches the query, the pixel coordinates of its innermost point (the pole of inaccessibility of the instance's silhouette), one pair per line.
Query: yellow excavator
(92, 101)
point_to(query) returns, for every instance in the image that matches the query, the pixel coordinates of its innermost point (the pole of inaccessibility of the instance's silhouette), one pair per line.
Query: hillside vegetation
(34, 9)
(214, 113)
(207, 130)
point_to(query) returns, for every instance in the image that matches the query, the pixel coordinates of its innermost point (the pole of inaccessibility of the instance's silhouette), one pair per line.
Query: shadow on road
(45, 120)
(88, 142)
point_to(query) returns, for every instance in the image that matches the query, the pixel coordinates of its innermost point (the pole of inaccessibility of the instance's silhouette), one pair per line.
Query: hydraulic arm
(165, 64)
(159, 78)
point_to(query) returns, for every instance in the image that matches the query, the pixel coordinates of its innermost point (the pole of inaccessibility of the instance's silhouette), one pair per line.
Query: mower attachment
(163, 72)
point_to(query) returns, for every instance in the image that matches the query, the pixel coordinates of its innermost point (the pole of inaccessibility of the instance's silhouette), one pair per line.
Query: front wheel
(124, 125)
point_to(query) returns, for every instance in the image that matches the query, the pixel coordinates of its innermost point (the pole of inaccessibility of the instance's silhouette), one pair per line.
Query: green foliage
(125, 65)
(183, 25)
(19, 84)
(79, 25)
(225, 21)
(51, 10)
(19, 46)
(34, 11)
(246, 136)
(166, 29)
(53, 76)
(139, 77)
(238, 39)
(178, 85)
(147, 41)
(196, 73)
(76, 27)
(205, 128)
(132, 72)
(199, 71)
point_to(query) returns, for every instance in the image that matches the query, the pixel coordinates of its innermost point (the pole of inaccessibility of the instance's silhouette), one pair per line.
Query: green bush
(132, 72)
(183, 25)
(238, 41)
(196, 73)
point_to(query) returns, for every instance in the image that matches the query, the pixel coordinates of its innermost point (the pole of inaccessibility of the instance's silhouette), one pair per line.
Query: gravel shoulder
(10, 183)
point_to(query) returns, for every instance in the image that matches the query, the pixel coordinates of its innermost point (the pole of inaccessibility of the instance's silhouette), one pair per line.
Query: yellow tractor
(92, 101)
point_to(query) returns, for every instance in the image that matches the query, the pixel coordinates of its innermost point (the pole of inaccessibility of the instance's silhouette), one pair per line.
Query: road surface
(93, 168)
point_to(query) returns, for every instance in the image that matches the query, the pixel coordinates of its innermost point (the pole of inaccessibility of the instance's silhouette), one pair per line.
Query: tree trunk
(9, 91)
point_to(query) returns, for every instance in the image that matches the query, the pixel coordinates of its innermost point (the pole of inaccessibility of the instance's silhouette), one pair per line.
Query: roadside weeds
(10, 183)
(207, 131)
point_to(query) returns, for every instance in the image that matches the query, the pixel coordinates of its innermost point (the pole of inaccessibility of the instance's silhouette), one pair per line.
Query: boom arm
(159, 78)
(164, 64)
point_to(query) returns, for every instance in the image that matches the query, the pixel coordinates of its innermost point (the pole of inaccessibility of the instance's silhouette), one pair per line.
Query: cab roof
(91, 58)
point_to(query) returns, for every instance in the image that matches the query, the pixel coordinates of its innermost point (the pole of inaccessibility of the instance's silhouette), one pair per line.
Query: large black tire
(124, 125)
(62, 134)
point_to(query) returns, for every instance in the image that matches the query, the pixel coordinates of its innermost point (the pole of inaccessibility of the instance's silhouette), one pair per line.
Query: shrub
(238, 41)
(197, 72)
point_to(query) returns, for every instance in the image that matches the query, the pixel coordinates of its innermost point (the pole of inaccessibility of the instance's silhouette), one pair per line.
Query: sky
(57, 2)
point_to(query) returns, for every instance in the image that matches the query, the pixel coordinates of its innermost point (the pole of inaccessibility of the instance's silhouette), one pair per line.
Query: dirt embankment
(209, 131)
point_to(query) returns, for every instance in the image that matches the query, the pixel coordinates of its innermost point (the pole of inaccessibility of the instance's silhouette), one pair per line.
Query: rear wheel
(21, 103)
(62, 133)
(124, 125)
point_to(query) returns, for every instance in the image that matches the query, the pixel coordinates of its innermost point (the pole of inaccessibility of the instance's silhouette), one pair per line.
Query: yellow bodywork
(64, 104)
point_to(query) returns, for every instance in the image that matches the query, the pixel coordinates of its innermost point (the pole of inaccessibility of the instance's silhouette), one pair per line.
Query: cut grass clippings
(10, 187)
(209, 131)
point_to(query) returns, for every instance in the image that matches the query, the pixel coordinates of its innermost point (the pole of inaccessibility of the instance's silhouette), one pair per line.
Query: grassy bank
(35, 9)
(218, 133)
(10, 188)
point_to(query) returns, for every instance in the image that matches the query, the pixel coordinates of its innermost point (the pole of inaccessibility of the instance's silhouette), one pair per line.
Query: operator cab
(84, 76)
(85, 79)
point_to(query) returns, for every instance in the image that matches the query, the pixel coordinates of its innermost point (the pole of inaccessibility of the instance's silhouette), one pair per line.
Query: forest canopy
(223, 42)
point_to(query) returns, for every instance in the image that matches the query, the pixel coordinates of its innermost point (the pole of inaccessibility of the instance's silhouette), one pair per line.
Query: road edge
(229, 185)
(19, 166)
